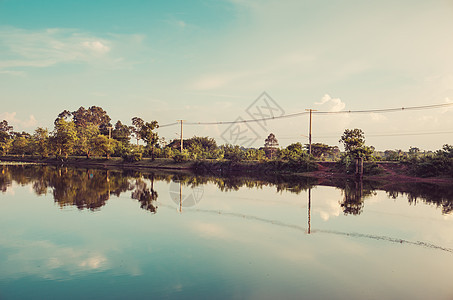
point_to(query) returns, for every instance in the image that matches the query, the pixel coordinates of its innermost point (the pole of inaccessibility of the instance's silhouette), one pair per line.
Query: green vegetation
(89, 133)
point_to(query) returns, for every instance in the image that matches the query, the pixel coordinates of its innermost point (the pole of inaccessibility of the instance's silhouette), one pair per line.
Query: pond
(95, 234)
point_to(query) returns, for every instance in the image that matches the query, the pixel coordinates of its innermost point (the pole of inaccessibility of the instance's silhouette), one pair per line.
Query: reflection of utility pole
(309, 210)
(180, 198)
(309, 132)
(181, 143)
(108, 183)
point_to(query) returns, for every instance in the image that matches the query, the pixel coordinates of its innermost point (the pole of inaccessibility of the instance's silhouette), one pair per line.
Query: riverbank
(324, 172)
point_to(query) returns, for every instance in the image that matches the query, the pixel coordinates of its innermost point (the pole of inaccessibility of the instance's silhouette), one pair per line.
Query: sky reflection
(246, 242)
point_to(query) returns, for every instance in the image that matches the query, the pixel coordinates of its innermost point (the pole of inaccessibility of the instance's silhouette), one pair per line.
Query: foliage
(21, 144)
(255, 154)
(294, 152)
(320, 150)
(271, 146)
(181, 156)
(134, 154)
(64, 138)
(354, 144)
(121, 132)
(41, 142)
(87, 135)
(5, 137)
(440, 164)
(233, 153)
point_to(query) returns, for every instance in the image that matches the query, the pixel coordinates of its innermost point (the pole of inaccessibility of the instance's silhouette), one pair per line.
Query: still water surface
(96, 234)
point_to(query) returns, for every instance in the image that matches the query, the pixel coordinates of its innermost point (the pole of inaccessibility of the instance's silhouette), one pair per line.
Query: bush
(132, 156)
(181, 156)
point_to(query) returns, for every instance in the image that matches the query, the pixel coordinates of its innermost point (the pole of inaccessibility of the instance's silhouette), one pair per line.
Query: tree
(94, 115)
(233, 153)
(293, 152)
(86, 135)
(63, 138)
(5, 137)
(137, 124)
(254, 154)
(41, 141)
(149, 136)
(101, 145)
(320, 150)
(354, 143)
(21, 143)
(5, 127)
(121, 133)
(271, 145)
(414, 151)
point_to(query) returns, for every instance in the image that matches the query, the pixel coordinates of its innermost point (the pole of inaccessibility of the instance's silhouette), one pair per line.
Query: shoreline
(391, 172)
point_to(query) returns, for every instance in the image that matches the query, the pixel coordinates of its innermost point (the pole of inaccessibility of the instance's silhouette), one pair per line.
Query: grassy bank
(323, 171)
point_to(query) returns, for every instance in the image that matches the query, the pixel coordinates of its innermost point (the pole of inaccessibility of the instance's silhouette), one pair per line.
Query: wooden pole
(309, 131)
(181, 141)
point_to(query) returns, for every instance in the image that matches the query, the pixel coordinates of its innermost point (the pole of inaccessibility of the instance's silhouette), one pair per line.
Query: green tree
(271, 146)
(5, 137)
(320, 150)
(254, 154)
(41, 142)
(94, 116)
(354, 143)
(101, 145)
(64, 137)
(149, 136)
(21, 143)
(87, 135)
(121, 133)
(293, 152)
(234, 153)
(137, 124)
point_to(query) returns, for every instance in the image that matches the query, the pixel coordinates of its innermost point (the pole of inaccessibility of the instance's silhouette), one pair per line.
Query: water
(94, 234)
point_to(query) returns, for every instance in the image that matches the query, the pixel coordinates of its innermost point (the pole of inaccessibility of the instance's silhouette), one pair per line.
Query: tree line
(89, 132)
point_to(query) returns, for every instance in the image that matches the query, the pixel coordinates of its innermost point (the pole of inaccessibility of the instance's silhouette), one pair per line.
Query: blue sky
(210, 60)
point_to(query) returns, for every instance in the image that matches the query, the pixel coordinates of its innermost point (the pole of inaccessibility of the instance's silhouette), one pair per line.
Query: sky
(211, 61)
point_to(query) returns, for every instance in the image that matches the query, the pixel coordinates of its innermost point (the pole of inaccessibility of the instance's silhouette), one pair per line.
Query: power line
(375, 134)
(292, 115)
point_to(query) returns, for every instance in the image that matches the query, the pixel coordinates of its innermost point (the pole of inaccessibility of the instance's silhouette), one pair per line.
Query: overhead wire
(384, 110)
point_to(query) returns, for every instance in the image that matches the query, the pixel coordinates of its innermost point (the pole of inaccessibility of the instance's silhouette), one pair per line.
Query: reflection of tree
(5, 179)
(354, 194)
(91, 188)
(440, 195)
(146, 197)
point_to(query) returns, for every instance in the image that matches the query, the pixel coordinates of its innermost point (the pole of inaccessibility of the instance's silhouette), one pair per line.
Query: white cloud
(44, 48)
(331, 104)
(15, 122)
(96, 46)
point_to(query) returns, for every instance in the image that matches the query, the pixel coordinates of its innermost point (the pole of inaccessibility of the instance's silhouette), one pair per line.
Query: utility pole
(110, 133)
(309, 133)
(181, 143)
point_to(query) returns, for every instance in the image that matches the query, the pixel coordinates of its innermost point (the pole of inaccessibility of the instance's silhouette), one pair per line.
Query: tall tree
(121, 133)
(319, 150)
(354, 143)
(271, 146)
(5, 137)
(148, 135)
(94, 115)
(21, 143)
(41, 141)
(86, 138)
(137, 124)
(63, 138)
